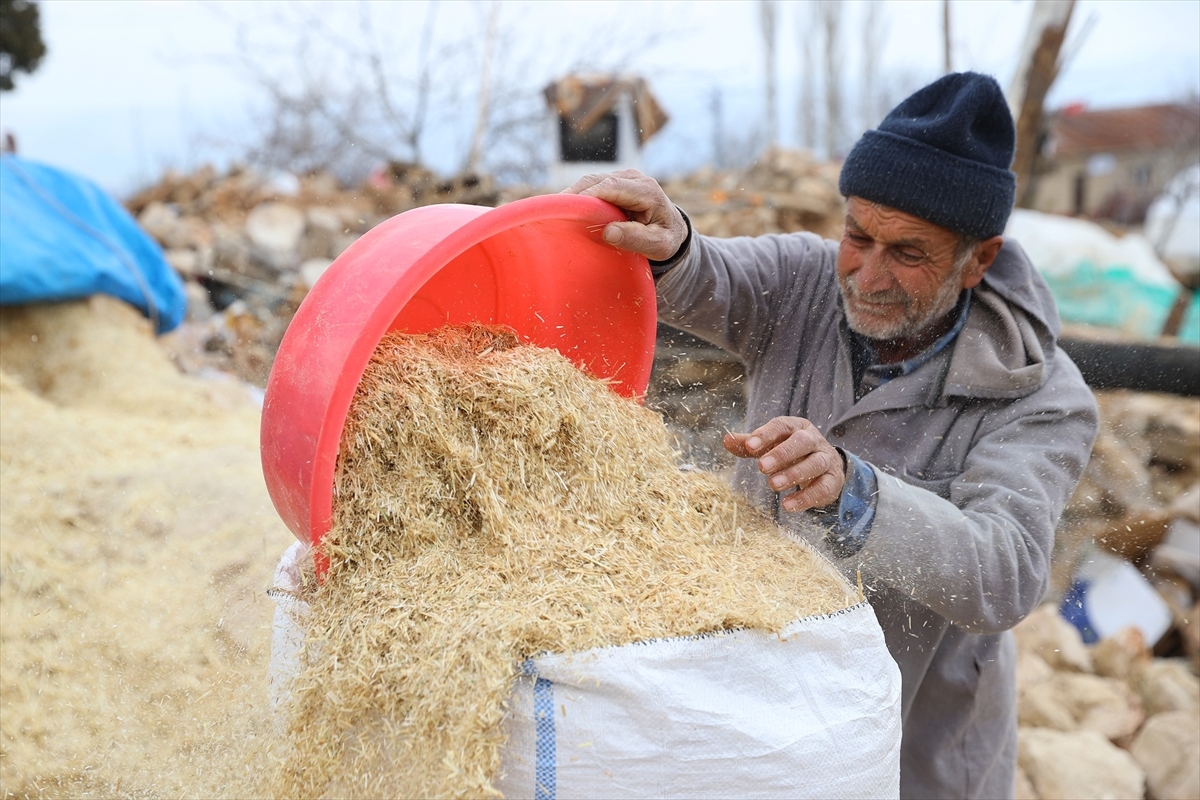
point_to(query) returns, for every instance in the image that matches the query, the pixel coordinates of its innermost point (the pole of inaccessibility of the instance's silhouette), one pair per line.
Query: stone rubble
(1077, 765)
(784, 192)
(1112, 726)
(1168, 751)
(250, 246)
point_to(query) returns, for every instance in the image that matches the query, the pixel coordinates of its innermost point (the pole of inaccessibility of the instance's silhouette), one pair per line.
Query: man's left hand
(655, 228)
(792, 452)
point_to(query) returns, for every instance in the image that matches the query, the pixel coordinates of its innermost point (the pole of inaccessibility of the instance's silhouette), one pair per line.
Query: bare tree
(1036, 71)
(491, 34)
(337, 98)
(947, 39)
(873, 33)
(768, 16)
(831, 19)
(345, 87)
(806, 105)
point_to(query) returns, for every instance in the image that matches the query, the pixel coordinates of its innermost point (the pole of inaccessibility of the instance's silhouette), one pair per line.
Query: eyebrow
(919, 244)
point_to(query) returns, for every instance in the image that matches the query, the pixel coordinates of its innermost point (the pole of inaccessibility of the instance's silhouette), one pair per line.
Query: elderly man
(905, 389)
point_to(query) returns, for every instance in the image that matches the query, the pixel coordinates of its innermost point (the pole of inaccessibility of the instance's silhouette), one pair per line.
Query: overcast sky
(129, 88)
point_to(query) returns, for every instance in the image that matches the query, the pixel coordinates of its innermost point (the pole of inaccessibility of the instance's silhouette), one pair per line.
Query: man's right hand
(655, 229)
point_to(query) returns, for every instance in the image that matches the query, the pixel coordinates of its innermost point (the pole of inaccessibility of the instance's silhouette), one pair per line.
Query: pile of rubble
(250, 246)
(1102, 721)
(1111, 719)
(784, 192)
(1140, 499)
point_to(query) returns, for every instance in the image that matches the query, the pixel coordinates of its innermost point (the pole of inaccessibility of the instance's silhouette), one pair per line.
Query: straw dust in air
(493, 504)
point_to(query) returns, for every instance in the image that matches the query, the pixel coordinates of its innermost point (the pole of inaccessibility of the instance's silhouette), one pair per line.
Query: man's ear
(984, 255)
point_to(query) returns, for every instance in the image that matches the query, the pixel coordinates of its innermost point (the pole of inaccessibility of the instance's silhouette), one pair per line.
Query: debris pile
(1140, 499)
(495, 504)
(250, 246)
(1105, 721)
(137, 539)
(784, 192)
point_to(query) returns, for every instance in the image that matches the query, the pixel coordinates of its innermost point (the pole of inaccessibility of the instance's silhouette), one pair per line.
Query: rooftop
(1079, 132)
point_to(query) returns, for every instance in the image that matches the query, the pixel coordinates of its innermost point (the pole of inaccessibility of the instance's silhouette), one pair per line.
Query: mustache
(887, 296)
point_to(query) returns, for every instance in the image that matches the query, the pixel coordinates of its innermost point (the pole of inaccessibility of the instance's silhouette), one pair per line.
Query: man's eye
(858, 238)
(911, 257)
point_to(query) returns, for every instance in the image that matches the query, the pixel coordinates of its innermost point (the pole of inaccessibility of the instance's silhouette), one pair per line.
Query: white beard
(915, 319)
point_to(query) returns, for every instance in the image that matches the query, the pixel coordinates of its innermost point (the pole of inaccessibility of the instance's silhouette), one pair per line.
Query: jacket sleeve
(727, 291)
(982, 558)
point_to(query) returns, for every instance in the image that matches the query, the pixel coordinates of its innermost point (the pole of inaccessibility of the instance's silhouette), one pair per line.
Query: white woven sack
(813, 712)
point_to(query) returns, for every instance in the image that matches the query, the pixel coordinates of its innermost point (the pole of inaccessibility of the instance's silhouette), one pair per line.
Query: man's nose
(873, 275)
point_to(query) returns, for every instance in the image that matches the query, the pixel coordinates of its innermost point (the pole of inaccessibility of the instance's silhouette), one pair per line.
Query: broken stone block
(1167, 684)
(199, 305)
(1191, 634)
(1024, 790)
(1043, 709)
(1136, 533)
(230, 249)
(312, 269)
(1072, 701)
(1119, 656)
(171, 230)
(1032, 669)
(1179, 553)
(341, 242)
(327, 219)
(1118, 468)
(159, 220)
(1187, 505)
(1058, 642)
(275, 228)
(1168, 749)
(1081, 765)
(316, 243)
(185, 262)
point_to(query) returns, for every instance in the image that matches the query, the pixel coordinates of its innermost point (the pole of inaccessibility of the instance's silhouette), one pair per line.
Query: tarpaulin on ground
(65, 238)
(1101, 279)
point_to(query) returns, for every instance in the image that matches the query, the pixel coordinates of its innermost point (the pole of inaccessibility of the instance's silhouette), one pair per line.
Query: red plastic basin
(537, 265)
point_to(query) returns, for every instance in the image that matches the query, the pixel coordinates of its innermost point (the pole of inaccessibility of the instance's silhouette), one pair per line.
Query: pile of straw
(136, 537)
(494, 504)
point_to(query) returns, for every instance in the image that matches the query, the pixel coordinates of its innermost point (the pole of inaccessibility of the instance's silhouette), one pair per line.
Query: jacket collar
(1001, 352)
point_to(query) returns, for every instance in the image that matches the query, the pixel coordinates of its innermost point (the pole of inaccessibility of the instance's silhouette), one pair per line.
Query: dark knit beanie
(942, 155)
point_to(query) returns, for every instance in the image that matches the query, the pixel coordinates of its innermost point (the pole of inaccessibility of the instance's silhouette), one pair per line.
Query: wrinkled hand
(655, 229)
(792, 452)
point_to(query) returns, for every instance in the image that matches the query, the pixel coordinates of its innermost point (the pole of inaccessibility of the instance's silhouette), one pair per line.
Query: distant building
(599, 123)
(1111, 164)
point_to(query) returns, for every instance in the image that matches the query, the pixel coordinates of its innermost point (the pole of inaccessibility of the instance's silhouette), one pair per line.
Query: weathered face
(897, 272)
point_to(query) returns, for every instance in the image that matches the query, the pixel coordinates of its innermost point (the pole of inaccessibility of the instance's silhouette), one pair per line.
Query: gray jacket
(976, 454)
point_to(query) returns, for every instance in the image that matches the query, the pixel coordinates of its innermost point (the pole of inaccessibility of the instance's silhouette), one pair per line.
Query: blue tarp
(64, 238)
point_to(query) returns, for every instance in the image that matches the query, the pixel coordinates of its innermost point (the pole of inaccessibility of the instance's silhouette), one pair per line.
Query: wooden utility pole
(1036, 70)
